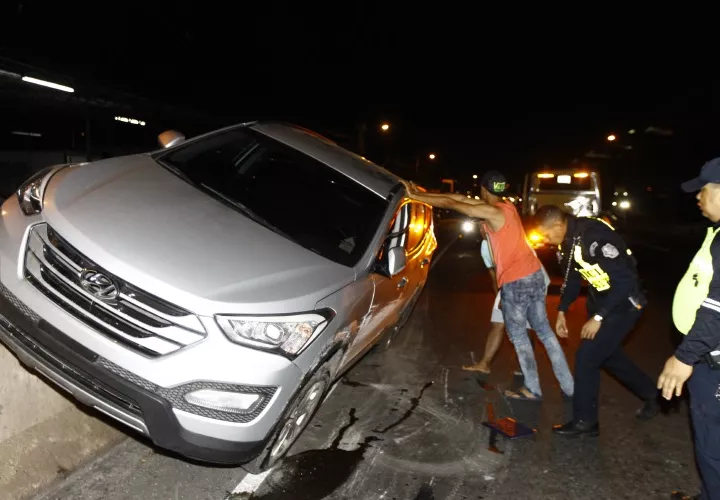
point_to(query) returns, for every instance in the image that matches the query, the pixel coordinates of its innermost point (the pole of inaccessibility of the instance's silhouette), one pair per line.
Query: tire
(293, 422)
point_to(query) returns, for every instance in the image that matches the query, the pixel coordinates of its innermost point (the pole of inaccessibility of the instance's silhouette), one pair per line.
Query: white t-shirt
(490, 264)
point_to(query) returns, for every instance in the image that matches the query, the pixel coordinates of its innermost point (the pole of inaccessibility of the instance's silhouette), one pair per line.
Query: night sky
(481, 88)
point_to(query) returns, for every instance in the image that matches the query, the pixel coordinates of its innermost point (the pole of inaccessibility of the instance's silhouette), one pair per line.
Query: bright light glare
(611, 138)
(581, 175)
(624, 204)
(130, 120)
(431, 156)
(385, 127)
(51, 85)
(468, 226)
(475, 176)
(546, 176)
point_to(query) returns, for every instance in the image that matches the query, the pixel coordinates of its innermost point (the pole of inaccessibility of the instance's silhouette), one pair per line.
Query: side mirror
(396, 260)
(170, 138)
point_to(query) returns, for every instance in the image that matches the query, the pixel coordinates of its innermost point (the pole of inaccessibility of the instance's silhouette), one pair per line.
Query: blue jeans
(524, 301)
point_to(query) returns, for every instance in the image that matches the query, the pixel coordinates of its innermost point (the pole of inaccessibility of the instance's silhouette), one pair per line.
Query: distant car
(208, 295)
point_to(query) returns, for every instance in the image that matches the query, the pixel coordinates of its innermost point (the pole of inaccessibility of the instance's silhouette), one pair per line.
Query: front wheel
(293, 422)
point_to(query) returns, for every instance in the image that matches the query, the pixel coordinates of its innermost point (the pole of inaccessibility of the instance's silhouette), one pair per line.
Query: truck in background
(575, 189)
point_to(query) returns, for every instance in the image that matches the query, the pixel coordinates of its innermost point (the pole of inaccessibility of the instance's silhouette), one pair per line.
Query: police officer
(696, 313)
(592, 250)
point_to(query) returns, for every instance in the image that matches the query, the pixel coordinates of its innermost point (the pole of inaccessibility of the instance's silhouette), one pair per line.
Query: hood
(147, 226)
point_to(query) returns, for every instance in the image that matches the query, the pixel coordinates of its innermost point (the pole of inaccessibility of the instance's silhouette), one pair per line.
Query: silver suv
(208, 294)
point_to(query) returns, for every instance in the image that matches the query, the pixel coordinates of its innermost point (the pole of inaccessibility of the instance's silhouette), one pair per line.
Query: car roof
(360, 169)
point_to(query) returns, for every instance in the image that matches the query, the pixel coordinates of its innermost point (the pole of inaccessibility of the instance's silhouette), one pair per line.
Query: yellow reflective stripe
(594, 274)
(603, 221)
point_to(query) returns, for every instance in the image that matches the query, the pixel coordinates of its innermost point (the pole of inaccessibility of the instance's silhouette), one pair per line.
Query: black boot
(577, 428)
(679, 495)
(650, 409)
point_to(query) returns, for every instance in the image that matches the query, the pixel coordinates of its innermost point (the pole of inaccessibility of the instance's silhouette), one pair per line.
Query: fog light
(468, 226)
(230, 402)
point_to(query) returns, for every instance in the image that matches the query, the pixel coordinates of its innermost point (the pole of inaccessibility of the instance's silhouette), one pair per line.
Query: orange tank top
(514, 259)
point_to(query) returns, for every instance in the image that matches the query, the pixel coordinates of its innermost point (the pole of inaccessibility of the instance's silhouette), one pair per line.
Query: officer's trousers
(704, 386)
(605, 351)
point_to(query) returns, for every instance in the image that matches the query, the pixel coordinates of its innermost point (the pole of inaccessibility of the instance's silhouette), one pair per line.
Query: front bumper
(46, 350)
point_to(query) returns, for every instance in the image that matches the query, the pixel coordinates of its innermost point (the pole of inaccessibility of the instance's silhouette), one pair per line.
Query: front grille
(14, 325)
(135, 318)
(20, 321)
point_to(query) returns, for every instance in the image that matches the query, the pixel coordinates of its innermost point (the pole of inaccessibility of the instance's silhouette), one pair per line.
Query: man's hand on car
(409, 187)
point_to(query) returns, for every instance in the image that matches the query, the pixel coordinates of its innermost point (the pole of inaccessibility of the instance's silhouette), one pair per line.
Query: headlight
(624, 204)
(468, 226)
(286, 334)
(30, 193)
(536, 238)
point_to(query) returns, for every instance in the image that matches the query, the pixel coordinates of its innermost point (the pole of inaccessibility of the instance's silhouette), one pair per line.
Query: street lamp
(475, 176)
(611, 137)
(44, 83)
(431, 156)
(385, 127)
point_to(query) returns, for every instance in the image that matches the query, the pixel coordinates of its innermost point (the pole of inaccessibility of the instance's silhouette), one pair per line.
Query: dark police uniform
(696, 313)
(593, 251)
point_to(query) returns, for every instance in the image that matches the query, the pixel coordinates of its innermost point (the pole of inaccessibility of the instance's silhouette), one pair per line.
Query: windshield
(563, 182)
(284, 190)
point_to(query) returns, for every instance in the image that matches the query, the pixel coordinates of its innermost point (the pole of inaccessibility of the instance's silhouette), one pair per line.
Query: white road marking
(250, 483)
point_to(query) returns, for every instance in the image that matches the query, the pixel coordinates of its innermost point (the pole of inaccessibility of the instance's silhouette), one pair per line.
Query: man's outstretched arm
(472, 208)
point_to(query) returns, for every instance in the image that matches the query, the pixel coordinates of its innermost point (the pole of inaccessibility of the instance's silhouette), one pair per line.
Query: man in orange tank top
(519, 278)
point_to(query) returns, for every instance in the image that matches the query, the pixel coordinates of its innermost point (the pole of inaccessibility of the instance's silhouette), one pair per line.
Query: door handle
(402, 282)
(424, 262)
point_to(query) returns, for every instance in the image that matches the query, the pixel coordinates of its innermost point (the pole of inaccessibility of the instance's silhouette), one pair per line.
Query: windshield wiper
(247, 212)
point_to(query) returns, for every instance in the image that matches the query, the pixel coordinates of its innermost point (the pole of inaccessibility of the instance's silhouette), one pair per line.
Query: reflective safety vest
(592, 273)
(694, 286)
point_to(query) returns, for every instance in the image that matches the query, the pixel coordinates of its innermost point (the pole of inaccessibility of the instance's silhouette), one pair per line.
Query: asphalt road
(407, 423)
